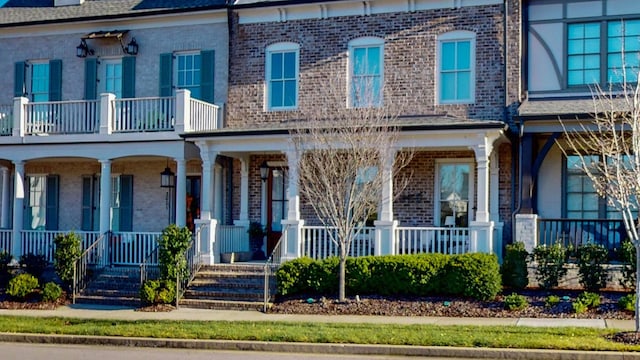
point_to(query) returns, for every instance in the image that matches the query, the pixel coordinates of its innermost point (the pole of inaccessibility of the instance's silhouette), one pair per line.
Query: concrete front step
(110, 300)
(111, 292)
(223, 295)
(240, 284)
(221, 304)
(222, 268)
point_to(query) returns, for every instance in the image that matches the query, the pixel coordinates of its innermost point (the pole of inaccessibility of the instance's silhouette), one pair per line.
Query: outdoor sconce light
(83, 50)
(167, 178)
(264, 171)
(132, 47)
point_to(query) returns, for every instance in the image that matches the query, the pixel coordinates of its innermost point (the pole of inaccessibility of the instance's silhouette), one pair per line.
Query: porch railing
(41, 242)
(317, 244)
(131, 248)
(144, 114)
(6, 120)
(232, 238)
(93, 258)
(5, 240)
(445, 240)
(270, 267)
(192, 256)
(575, 232)
(204, 116)
(62, 117)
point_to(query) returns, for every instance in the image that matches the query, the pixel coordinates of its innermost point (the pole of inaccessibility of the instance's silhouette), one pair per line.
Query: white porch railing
(41, 242)
(316, 242)
(144, 114)
(445, 240)
(6, 120)
(232, 238)
(204, 116)
(131, 248)
(5, 240)
(62, 117)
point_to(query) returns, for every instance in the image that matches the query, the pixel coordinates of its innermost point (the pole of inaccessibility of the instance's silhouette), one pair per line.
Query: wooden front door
(277, 205)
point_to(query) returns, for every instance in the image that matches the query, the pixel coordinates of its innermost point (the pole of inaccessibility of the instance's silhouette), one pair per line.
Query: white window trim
(368, 41)
(277, 48)
(472, 193)
(458, 35)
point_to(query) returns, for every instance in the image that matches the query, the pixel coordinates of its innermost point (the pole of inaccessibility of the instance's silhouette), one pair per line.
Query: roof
(567, 107)
(28, 12)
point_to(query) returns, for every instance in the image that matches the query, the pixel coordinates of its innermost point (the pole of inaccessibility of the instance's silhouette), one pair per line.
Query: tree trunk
(342, 296)
(637, 305)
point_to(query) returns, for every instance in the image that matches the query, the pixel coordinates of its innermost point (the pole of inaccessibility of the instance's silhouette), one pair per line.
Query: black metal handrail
(95, 257)
(571, 233)
(270, 267)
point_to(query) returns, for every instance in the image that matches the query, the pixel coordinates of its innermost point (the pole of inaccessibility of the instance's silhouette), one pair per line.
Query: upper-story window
(456, 67)
(39, 80)
(112, 76)
(366, 69)
(191, 70)
(281, 71)
(586, 43)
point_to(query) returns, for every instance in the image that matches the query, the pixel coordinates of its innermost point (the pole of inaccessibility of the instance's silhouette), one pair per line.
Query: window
(366, 69)
(282, 76)
(41, 202)
(112, 76)
(188, 73)
(583, 54)
(454, 193)
(39, 80)
(456, 67)
(191, 70)
(90, 203)
(122, 203)
(623, 50)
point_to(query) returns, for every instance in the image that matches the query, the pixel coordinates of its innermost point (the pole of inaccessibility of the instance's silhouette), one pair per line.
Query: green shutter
(129, 77)
(87, 203)
(90, 78)
(207, 74)
(19, 79)
(55, 80)
(51, 212)
(126, 202)
(166, 73)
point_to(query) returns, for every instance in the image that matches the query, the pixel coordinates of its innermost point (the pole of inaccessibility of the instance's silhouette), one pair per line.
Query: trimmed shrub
(173, 243)
(51, 292)
(22, 286)
(515, 302)
(551, 260)
(628, 302)
(34, 264)
(68, 250)
(474, 275)
(5, 272)
(628, 258)
(293, 277)
(514, 266)
(551, 301)
(157, 292)
(591, 266)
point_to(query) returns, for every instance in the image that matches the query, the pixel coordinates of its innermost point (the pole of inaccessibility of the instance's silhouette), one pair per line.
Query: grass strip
(560, 338)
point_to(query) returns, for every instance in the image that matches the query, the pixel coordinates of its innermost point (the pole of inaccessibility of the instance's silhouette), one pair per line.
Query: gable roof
(31, 12)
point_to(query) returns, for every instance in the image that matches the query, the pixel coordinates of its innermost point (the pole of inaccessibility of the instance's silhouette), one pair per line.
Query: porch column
(243, 220)
(4, 219)
(293, 223)
(217, 192)
(385, 225)
(494, 203)
(482, 228)
(18, 202)
(181, 192)
(206, 237)
(208, 162)
(105, 196)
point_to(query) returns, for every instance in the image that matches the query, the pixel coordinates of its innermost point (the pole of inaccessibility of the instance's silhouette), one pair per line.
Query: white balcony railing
(204, 116)
(445, 240)
(6, 120)
(144, 114)
(61, 117)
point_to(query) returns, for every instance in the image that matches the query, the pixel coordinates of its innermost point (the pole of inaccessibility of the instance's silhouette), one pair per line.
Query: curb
(314, 348)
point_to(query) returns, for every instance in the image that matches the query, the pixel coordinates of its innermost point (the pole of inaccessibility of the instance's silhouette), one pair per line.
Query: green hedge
(473, 275)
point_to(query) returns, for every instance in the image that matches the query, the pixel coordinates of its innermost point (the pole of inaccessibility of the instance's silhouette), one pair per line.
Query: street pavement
(124, 313)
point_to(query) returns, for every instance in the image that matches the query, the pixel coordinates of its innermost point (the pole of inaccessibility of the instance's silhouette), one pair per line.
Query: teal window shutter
(166, 72)
(90, 79)
(51, 212)
(129, 77)
(207, 74)
(19, 79)
(55, 80)
(126, 202)
(26, 205)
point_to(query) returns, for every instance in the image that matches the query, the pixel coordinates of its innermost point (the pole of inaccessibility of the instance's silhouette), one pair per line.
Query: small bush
(173, 243)
(514, 267)
(628, 258)
(628, 302)
(579, 307)
(474, 275)
(591, 266)
(590, 299)
(68, 250)
(551, 301)
(515, 302)
(157, 292)
(551, 269)
(51, 292)
(34, 264)
(22, 286)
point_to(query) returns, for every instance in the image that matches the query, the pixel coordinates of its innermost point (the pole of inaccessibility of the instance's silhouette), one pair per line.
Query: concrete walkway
(123, 313)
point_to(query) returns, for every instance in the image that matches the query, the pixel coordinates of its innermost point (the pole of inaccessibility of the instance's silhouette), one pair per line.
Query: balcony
(177, 114)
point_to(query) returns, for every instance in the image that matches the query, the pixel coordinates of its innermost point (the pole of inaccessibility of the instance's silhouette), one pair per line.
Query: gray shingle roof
(566, 107)
(23, 12)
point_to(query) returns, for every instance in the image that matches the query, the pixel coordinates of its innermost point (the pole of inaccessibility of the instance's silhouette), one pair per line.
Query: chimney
(57, 3)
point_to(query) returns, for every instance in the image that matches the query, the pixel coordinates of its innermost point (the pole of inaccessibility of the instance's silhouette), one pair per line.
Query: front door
(277, 183)
(193, 201)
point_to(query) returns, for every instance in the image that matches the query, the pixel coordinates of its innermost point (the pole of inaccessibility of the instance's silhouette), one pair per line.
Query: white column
(243, 220)
(183, 111)
(494, 202)
(19, 116)
(105, 196)
(385, 225)
(18, 202)
(4, 215)
(181, 192)
(293, 223)
(208, 162)
(106, 113)
(217, 192)
(482, 228)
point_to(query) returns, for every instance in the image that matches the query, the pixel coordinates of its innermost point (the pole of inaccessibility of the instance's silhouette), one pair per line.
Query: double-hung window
(583, 54)
(282, 69)
(189, 70)
(112, 76)
(40, 81)
(623, 51)
(41, 202)
(456, 67)
(366, 69)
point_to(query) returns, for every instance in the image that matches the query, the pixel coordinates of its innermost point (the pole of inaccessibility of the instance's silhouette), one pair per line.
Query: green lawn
(425, 335)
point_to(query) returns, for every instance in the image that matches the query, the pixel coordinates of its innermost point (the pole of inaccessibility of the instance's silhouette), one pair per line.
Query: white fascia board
(125, 23)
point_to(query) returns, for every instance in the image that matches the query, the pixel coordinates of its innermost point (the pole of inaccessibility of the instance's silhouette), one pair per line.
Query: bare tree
(345, 155)
(608, 145)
